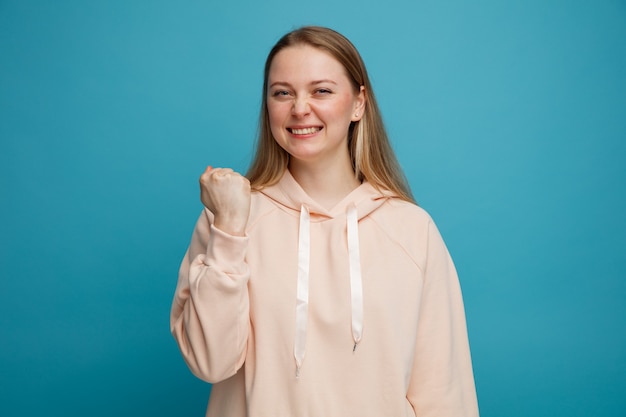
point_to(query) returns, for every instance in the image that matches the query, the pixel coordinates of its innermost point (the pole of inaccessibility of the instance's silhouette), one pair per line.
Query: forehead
(305, 63)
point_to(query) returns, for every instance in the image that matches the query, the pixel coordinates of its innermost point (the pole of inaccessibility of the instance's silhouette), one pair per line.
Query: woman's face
(311, 103)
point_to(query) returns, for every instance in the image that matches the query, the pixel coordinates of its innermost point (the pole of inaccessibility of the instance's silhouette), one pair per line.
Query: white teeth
(306, 131)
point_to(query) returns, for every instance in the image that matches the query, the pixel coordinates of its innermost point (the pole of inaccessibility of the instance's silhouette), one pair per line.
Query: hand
(226, 194)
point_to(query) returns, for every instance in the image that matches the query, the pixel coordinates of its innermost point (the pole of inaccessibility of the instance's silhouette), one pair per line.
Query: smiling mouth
(304, 131)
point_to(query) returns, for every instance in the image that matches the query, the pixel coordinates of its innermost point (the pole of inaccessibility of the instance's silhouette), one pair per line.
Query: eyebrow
(274, 84)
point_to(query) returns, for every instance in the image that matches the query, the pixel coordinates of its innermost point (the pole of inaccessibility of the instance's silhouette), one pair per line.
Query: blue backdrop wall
(509, 117)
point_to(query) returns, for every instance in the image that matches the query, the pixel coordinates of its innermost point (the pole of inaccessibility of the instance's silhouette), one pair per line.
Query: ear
(359, 105)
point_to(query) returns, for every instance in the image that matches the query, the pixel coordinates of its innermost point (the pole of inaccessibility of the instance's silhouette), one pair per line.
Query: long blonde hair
(371, 153)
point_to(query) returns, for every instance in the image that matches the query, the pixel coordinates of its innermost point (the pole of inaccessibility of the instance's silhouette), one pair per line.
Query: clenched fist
(226, 194)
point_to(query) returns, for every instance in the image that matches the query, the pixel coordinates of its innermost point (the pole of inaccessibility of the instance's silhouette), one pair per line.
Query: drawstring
(302, 290)
(356, 282)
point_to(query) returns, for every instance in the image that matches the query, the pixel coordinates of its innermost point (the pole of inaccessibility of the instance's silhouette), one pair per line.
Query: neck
(327, 185)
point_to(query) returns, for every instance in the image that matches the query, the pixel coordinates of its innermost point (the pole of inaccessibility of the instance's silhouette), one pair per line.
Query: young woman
(315, 286)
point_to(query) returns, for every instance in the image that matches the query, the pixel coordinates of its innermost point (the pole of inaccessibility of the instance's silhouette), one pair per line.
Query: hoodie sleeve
(442, 381)
(210, 312)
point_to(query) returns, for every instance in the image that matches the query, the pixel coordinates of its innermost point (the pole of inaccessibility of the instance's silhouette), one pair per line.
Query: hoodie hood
(289, 194)
(362, 201)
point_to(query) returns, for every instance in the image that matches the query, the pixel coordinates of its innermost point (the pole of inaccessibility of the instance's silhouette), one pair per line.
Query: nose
(300, 107)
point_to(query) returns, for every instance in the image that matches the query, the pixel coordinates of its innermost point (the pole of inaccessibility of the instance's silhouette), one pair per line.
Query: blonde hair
(371, 153)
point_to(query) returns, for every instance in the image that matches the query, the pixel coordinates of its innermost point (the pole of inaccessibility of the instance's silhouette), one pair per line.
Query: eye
(280, 93)
(323, 91)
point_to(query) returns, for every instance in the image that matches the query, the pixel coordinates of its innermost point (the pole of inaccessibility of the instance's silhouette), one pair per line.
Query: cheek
(276, 115)
(340, 113)
(345, 106)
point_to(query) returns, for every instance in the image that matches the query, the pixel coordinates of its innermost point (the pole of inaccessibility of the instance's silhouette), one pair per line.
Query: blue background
(509, 117)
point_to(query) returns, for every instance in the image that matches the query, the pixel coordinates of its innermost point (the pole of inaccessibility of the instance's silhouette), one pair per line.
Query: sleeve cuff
(226, 252)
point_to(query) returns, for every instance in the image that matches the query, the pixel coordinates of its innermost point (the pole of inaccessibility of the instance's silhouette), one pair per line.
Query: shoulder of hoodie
(407, 225)
(405, 214)
(260, 206)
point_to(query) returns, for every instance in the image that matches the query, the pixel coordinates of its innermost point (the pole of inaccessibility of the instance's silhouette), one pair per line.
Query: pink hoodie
(354, 311)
